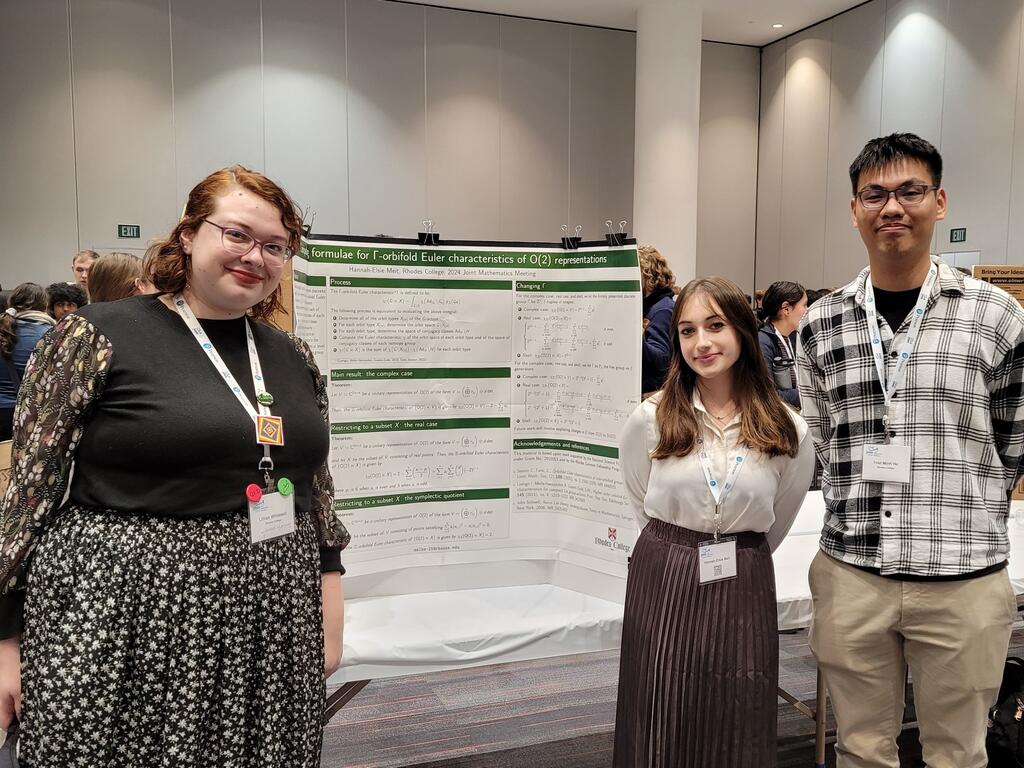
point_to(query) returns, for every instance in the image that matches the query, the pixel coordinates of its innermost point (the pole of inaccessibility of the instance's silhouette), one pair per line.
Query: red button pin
(253, 492)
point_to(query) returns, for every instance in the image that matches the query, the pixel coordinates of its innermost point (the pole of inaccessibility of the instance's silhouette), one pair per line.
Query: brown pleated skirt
(699, 669)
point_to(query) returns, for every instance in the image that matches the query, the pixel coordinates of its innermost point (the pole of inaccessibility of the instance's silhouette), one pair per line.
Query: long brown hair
(166, 259)
(765, 422)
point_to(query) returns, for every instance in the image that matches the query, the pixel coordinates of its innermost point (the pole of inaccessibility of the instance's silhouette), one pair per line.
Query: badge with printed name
(717, 559)
(886, 463)
(271, 517)
(269, 430)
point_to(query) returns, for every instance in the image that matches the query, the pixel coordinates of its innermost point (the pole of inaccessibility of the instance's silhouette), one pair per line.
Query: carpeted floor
(548, 713)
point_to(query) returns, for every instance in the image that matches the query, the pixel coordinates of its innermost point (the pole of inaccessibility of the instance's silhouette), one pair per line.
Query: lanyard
(891, 385)
(785, 342)
(185, 311)
(719, 492)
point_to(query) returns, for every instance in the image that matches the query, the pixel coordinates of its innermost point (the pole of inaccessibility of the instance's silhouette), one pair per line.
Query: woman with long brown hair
(716, 467)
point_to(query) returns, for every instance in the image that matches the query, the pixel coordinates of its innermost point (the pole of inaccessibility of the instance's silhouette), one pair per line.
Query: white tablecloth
(429, 632)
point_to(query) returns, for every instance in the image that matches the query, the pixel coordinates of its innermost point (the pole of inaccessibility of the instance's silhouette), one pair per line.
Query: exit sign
(958, 235)
(125, 231)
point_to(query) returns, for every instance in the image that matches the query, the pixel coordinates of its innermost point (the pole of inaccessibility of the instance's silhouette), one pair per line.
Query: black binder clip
(307, 229)
(430, 237)
(571, 243)
(616, 238)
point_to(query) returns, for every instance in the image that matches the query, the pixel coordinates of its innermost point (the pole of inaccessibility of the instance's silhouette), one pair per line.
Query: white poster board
(477, 391)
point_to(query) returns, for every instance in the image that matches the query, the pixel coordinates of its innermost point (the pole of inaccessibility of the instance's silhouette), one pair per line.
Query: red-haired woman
(183, 604)
(716, 467)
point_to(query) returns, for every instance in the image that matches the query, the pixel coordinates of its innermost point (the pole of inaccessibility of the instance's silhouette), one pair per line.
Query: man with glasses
(912, 381)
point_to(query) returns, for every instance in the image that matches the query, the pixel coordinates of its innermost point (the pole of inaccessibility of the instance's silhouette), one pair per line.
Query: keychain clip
(266, 465)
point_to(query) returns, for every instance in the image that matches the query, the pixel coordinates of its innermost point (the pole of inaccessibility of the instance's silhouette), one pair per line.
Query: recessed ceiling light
(776, 26)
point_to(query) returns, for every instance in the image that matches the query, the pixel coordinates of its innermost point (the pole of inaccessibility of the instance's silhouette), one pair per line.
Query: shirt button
(888, 513)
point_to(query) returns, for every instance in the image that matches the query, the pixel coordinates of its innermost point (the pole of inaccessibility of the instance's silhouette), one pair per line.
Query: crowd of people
(177, 598)
(29, 311)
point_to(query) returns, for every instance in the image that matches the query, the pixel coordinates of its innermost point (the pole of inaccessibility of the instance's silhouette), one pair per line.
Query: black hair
(886, 150)
(778, 294)
(61, 292)
(5, 299)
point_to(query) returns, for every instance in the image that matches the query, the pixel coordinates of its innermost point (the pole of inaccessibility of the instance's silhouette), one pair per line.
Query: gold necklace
(725, 416)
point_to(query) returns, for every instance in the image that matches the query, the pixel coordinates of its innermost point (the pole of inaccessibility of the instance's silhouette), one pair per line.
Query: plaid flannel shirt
(960, 409)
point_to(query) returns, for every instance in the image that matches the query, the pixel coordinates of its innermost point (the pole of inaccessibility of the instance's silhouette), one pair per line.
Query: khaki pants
(952, 634)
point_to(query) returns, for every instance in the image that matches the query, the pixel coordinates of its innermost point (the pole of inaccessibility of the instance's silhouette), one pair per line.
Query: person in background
(63, 299)
(912, 382)
(181, 604)
(782, 309)
(22, 325)
(117, 276)
(5, 300)
(819, 293)
(714, 456)
(80, 266)
(659, 286)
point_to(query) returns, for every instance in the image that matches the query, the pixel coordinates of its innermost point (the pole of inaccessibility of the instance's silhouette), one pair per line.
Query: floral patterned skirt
(171, 643)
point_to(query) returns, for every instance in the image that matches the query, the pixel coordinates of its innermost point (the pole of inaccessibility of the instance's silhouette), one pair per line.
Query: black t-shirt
(167, 437)
(894, 306)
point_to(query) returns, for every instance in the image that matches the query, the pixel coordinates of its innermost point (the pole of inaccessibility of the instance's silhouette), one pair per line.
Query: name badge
(717, 560)
(272, 517)
(886, 463)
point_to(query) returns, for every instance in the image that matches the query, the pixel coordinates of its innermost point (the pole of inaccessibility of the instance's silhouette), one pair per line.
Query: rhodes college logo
(612, 534)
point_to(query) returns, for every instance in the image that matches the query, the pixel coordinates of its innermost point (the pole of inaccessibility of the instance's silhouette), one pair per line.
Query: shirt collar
(950, 281)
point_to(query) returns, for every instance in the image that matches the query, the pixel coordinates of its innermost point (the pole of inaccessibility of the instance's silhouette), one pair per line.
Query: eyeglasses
(240, 243)
(873, 198)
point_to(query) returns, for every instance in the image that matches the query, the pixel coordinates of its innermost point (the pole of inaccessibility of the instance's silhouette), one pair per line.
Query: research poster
(477, 392)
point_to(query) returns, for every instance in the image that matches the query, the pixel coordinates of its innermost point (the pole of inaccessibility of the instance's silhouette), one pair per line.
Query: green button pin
(265, 398)
(285, 487)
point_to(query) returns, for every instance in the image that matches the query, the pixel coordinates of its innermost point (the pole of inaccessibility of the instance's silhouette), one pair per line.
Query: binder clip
(571, 242)
(307, 229)
(616, 238)
(429, 237)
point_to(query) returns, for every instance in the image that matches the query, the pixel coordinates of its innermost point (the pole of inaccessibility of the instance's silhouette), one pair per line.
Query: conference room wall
(939, 68)
(375, 115)
(727, 162)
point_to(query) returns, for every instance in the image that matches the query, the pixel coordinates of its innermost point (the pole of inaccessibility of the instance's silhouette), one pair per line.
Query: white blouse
(768, 491)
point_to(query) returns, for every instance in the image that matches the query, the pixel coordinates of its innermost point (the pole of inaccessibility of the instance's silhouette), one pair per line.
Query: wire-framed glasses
(873, 198)
(240, 243)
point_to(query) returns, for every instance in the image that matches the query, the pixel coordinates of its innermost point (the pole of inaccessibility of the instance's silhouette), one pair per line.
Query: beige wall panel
(38, 215)
(727, 186)
(805, 156)
(304, 97)
(977, 124)
(463, 123)
(854, 118)
(914, 56)
(1015, 235)
(771, 131)
(534, 170)
(124, 126)
(218, 93)
(601, 138)
(386, 119)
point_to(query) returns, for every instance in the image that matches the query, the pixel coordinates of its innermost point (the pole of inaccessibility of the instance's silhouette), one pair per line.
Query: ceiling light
(776, 26)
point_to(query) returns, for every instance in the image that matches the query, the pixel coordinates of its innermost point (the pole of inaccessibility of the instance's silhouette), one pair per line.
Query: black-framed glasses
(873, 198)
(240, 243)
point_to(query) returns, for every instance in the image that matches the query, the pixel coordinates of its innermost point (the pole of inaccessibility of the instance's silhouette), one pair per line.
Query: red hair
(168, 264)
